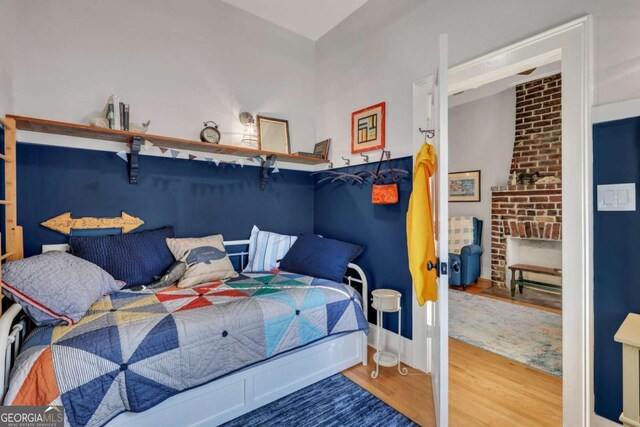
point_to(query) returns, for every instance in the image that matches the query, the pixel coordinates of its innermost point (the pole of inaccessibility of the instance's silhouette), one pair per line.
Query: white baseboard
(390, 339)
(598, 421)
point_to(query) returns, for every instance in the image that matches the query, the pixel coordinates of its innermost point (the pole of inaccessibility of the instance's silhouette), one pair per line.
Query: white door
(431, 332)
(440, 347)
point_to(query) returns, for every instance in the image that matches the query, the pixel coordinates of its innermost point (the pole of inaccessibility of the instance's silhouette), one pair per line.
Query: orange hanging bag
(384, 194)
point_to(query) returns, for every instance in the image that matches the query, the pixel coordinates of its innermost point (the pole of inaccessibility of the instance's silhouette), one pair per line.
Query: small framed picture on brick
(464, 186)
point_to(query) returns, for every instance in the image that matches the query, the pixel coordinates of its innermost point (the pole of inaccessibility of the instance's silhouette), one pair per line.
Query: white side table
(387, 301)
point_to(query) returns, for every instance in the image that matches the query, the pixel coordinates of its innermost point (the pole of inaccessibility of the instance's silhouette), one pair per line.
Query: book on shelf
(121, 107)
(117, 113)
(113, 112)
(306, 154)
(126, 117)
(110, 114)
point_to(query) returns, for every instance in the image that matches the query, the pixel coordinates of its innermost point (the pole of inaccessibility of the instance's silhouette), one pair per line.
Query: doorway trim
(572, 44)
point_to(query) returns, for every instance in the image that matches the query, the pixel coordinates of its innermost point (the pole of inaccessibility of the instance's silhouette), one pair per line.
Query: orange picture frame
(368, 128)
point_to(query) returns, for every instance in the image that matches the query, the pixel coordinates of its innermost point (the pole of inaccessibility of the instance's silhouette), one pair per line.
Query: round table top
(386, 293)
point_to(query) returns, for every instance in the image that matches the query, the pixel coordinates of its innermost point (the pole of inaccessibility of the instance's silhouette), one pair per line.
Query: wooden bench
(521, 282)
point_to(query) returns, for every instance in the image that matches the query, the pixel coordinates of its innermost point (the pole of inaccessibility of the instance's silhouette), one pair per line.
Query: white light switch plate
(617, 197)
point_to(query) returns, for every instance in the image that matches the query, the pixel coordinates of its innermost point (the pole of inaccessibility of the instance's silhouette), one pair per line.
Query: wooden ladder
(13, 232)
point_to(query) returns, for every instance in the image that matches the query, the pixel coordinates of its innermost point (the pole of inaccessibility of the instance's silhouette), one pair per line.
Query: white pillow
(266, 249)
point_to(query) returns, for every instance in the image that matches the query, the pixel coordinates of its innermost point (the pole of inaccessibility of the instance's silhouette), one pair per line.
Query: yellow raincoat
(420, 237)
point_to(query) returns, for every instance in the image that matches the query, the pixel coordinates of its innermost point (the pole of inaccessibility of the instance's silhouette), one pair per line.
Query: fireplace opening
(543, 253)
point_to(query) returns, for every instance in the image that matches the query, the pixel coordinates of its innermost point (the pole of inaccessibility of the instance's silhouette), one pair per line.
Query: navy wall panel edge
(616, 154)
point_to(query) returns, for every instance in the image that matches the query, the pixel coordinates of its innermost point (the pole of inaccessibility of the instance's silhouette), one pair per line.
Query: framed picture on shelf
(322, 148)
(367, 129)
(273, 135)
(464, 186)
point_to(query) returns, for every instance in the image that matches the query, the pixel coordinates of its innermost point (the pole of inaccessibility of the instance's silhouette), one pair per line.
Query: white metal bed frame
(233, 395)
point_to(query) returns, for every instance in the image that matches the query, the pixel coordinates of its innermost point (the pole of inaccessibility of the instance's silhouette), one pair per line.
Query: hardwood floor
(411, 394)
(489, 390)
(485, 389)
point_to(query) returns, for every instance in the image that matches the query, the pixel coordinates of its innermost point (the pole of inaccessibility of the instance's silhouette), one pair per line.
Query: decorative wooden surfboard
(64, 223)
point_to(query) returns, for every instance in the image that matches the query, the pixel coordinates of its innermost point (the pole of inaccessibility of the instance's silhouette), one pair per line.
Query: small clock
(210, 134)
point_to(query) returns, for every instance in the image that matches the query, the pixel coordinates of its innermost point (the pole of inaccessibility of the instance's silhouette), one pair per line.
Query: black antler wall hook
(428, 133)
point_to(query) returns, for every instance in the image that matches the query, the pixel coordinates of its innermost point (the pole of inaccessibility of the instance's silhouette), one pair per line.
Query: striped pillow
(266, 249)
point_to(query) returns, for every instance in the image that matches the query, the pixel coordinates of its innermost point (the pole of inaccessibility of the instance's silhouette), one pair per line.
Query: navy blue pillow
(316, 256)
(134, 258)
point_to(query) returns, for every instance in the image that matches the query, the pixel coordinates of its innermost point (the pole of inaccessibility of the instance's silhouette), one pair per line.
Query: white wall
(178, 63)
(481, 135)
(7, 54)
(382, 48)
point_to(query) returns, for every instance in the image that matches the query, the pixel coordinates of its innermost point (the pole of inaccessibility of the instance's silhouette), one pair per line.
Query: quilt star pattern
(133, 350)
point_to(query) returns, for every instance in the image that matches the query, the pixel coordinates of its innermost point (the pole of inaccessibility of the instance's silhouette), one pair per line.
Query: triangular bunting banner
(192, 157)
(175, 154)
(147, 144)
(164, 150)
(209, 160)
(275, 169)
(241, 162)
(216, 161)
(123, 155)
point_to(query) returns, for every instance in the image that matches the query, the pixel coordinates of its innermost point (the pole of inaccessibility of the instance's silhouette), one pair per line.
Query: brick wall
(538, 137)
(526, 212)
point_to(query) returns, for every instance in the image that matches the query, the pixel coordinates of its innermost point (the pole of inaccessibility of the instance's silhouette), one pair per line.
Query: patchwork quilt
(133, 350)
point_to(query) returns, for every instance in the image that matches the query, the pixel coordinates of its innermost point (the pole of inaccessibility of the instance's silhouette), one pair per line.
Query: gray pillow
(56, 287)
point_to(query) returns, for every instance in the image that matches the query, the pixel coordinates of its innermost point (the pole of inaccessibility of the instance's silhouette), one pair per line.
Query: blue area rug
(523, 334)
(336, 401)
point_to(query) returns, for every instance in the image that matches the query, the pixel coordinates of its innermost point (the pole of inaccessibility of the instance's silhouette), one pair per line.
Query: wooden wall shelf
(81, 131)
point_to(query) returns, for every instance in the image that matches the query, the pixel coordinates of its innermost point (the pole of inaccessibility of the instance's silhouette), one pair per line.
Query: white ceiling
(503, 84)
(309, 18)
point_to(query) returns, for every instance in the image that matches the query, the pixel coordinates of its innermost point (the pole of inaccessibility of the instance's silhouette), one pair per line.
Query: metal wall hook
(387, 154)
(366, 158)
(428, 133)
(347, 162)
(330, 165)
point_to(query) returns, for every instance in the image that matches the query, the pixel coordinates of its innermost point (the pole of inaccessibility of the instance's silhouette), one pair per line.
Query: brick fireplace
(532, 211)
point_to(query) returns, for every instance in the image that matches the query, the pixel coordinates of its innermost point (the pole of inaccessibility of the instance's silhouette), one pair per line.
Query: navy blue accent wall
(616, 153)
(345, 212)
(195, 197)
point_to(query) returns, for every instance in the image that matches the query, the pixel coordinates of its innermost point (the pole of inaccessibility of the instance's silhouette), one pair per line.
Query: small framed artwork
(273, 135)
(322, 148)
(367, 129)
(464, 186)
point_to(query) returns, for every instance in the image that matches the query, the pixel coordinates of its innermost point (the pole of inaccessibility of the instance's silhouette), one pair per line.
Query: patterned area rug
(523, 334)
(336, 401)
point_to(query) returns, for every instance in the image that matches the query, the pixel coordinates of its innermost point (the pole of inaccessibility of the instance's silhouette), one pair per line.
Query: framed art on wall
(464, 186)
(367, 129)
